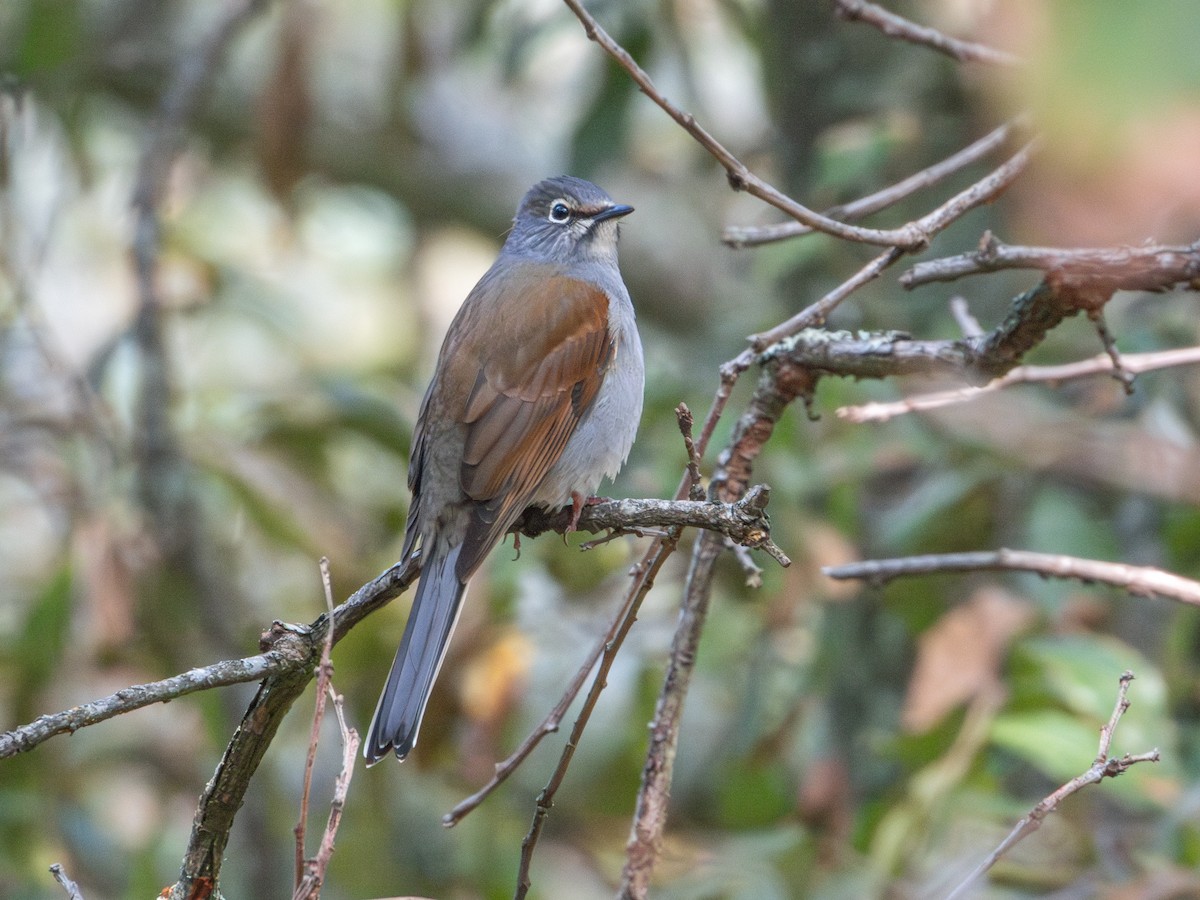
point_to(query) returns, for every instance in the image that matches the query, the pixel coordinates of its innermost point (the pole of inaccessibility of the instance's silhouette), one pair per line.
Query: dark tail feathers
(426, 636)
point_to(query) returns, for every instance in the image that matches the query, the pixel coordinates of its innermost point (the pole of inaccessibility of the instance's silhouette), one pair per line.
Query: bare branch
(72, 889)
(324, 675)
(909, 237)
(739, 237)
(684, 416)
(898, 27)
(309, 887)
(1142, 581)
(644, 575)
(778, 387)
(745, 521)
(962, 315)
(280, 658)
(1134, 363)
(1148, 268)
(1119, 371)
(1103, 767)
(983, 191)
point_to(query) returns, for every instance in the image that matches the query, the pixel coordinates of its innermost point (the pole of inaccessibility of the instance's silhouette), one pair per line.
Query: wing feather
(534, 385)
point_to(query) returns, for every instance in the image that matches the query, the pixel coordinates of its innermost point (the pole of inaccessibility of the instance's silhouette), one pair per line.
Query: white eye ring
(559, 212)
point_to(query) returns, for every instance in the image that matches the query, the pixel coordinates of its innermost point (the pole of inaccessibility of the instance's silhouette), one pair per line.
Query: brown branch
(744, 522)
(1119, 370)
(1104, 766)
(324, 674)
(898, 27)
(740, 237)
(1148, 268)
(1142, 581)
(550, 724)
(983, 191)
(779, 385)
(223, 795)
(909, 237)
(695, 490)
(644, 576)
(1134, 363)
(309, 887)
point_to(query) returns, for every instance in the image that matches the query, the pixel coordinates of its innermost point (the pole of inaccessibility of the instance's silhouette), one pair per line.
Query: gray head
(565, 218)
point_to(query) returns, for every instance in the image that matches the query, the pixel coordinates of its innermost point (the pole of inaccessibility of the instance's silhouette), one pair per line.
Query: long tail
(430, 623)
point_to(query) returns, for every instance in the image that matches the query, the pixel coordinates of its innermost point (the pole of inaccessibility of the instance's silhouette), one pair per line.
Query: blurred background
(350, 175)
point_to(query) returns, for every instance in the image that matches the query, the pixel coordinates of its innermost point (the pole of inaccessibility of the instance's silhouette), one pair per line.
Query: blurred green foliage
(324, 218)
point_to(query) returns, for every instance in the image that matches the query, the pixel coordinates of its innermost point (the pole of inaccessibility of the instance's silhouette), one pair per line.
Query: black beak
(613, 212)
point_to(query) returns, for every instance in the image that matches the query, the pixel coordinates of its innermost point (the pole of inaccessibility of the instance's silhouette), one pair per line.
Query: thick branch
(283, 656)
(745, 522)
(1149, 268)
(1142, 581)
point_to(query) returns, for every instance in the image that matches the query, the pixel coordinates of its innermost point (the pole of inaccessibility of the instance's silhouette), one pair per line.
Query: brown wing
(541, 372)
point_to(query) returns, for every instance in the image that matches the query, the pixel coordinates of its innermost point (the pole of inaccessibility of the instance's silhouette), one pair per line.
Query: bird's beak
(613, 212)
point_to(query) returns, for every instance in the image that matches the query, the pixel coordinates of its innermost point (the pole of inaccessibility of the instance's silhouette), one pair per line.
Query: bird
(535, 399)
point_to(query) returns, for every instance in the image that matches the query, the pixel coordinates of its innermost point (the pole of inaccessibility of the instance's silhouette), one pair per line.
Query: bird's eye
(559, 212)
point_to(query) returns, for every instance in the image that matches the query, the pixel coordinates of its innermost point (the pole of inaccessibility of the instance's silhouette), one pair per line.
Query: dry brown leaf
(960, 656)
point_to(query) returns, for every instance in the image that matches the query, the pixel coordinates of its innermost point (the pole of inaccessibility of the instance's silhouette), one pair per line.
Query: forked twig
(909, 237)
(1104, 766)
(741, 236)
(324, 674)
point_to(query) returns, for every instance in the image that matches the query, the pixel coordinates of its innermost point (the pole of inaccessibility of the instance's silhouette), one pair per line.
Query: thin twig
(1104, 766)
(983, 191)
(1119, 371)
(309, 887)
(1134, 363)
(1141, 581)
(898, 27)
(550, 724)
(324, 674)
(778, 387)
(909, 237)
(740, 237)
(645, 574)
(684, 416)
(962, 315)
(72, 889)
